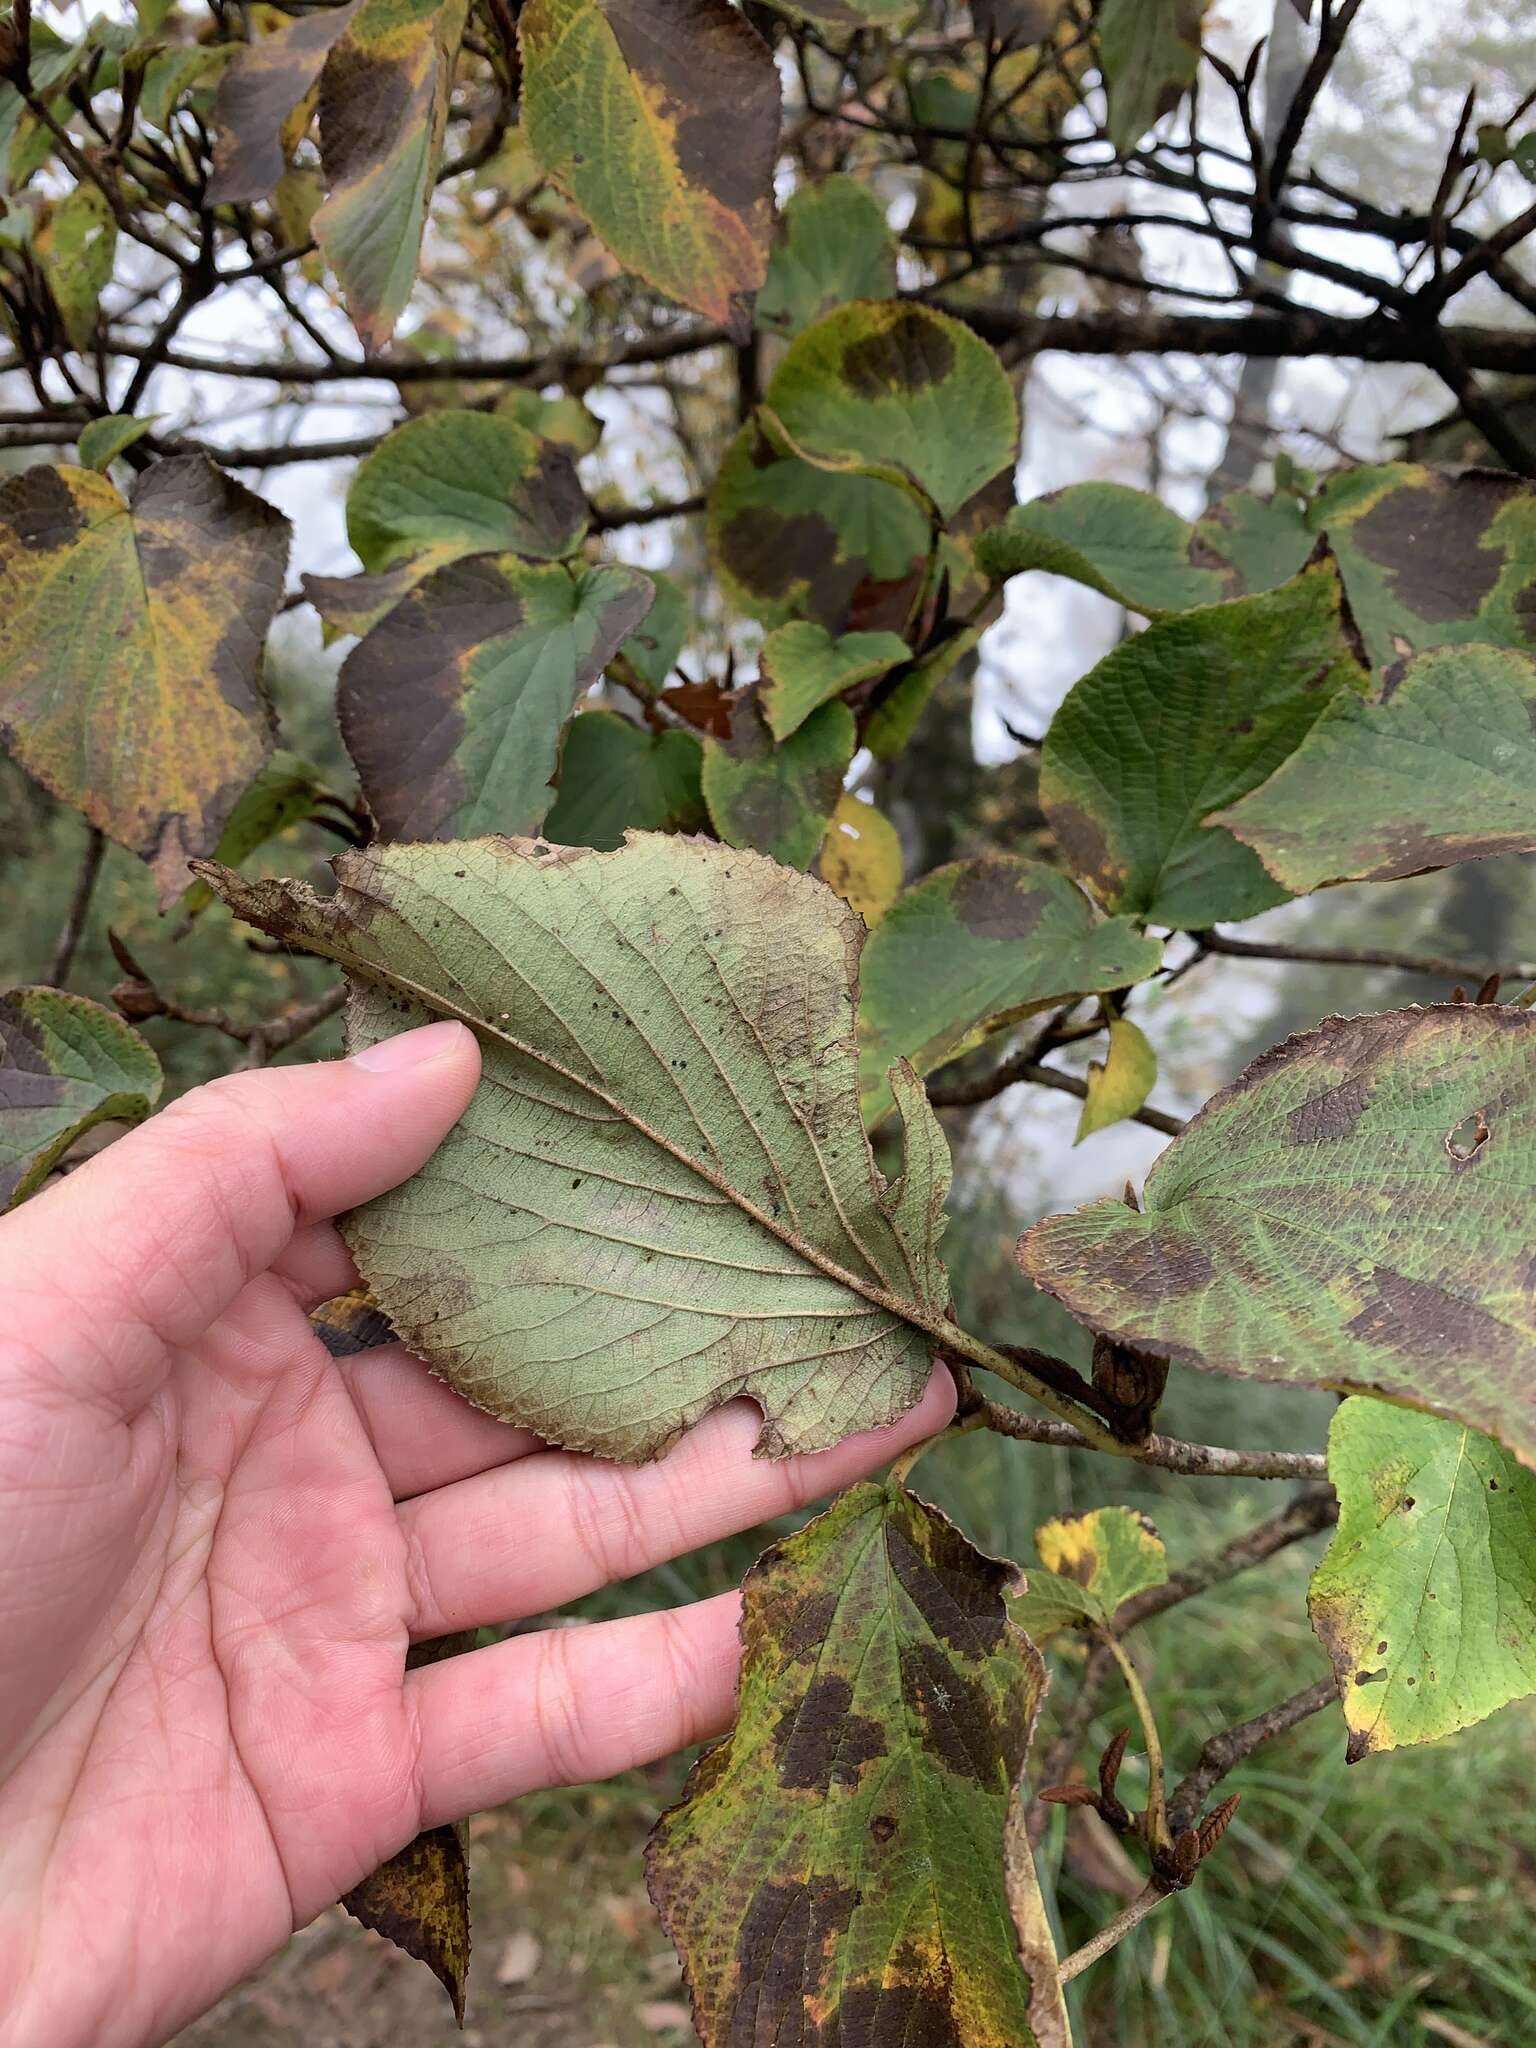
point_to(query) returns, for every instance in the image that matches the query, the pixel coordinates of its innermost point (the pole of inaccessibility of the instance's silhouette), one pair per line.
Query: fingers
(151, 1240)
(423, 1433)
(531, 1536)
(571, 1705)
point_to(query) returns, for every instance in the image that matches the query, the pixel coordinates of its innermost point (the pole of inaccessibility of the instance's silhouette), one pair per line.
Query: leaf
(182, 68)
(285, 791)
(1149, 51)
(1352, 1212)
(660, 121)
(834, 1871)
(834, 244)
(65, 1065)
(1254, 543)
(803, 667)
(790, 541)
(1433, 556)
(778, 798)
(1092, 1562)
(662, 1223)
(898, 392)
(649, 655)
(383, 111)
(896, 717)
(131, 638)
(102, 441)
(350, 1323)
(453, 706)
(846, 15)
(1124, 543)
(861, 857)
(1426, 1599)
(76, 246)
(1178, 723)
(419, 1898)
(1438, 766)
(564, 420)
(257, 94)
(1119, 1083)
(614, 778)
(976, 945)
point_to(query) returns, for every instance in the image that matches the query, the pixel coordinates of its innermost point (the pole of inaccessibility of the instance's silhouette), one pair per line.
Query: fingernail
(411, 1048)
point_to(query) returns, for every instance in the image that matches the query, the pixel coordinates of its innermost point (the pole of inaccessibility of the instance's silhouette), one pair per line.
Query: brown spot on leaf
(782, 1958)
(819, 1743)
(1428, 540)
(960, 1601)
(42, 513)
(955, 1716)
(993, 900)
(1421, 1320)
(907, 353)
(774, 556)
(893, 2016)
(1160, 1264)
(1332, 1113)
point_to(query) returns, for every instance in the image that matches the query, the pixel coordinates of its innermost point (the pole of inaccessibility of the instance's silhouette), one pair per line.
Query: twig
(262, 1040)
(1223, 1752)
(79, 909)
(139, 998)
(1362, 956)
(1316, 1508)
(1112, 1932)
(1023, 1067)
(1163, 1453)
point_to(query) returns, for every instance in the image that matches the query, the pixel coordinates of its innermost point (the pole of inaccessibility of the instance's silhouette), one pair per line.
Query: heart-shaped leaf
(833, 244)
(65, 1064)
(804, 668)
(614, 778)
(778, 798)
(1092, 1563)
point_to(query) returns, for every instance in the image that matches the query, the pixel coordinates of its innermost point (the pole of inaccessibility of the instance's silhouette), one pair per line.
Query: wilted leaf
(790, 541)
(75, 246)
(131, 637)
(973, 946)
(1439, 765)
(65, 1064)
(1119, 1083)
(1126, 544)
(1092, 1562)
(452, 708)
(102, 441)
(1353, 1212)
(861, 857)
(895, 391)
(649, 655)
(419, 1899)
(1178, 723)
(834, 1871)
(285, 791)
(350, 1323)
(1149, 51)
(660, 120)
(803, 668)
(1426, 1600)
(383, 110)
(662, 1222)
(778, 798)
(833, 245)
(615, 778)
(258, 93)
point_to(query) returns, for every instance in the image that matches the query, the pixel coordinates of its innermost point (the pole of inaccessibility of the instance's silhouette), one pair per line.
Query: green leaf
(833, 245)
(1092, 1562)
(834, 1871)
(131, 636)
(1438, 766)
(1352, 1212)
(1119, 1083)
(76, 246)
(649, 655)
(564, 420)
(637, 1218)
(778, 798)
(803, 667)
(1178, 723)
(614, 779)
(383, 112)
(284, 793)
(262, 87)
(419, 1898)
(65, 1064)
(453, 706)
(789, 541)
(1426, 1600)
(1253, 543)
(1432, 556)
(103, 440)
(1149, 51)
(898, 392)
(896, 717)
(1126, 544)
(660, 121)
(975, 946)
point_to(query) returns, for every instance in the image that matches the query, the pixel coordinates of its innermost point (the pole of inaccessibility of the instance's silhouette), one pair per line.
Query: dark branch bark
(1472, 973)
(963, 1094)
(1167, 1453)
(79, 909)
(1224, 1752)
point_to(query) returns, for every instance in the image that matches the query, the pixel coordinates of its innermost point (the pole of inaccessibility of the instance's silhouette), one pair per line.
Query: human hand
(216, 1543)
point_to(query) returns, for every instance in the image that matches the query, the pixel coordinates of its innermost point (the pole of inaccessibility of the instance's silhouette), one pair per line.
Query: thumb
(145, 1245)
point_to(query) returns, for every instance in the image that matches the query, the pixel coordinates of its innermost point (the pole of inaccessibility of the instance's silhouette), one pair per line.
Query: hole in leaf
(1465, 1140)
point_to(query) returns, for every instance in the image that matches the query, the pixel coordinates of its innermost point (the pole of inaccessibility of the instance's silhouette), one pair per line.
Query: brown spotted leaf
(660, 120)
(350, 1323)
(454, 705)
(131, 637)
(1092, 1563)
(661, 1195)
(1352, 1212)
(419, 1898)
(1437, 766)
(66, 1064)
(257, 94)
(835, 1870)
(778, 797)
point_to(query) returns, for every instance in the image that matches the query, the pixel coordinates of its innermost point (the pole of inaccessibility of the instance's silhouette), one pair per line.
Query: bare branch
(1224, 1752)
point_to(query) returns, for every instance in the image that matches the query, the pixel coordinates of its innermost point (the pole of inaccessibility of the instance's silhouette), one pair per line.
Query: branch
(1330, 41)
(1164, 1453)
(1365, 956)
(1314, 1509)
(79, 909)
(1022, 1067)
(1112, 1932)
(138, 998)
(1224, 1752)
